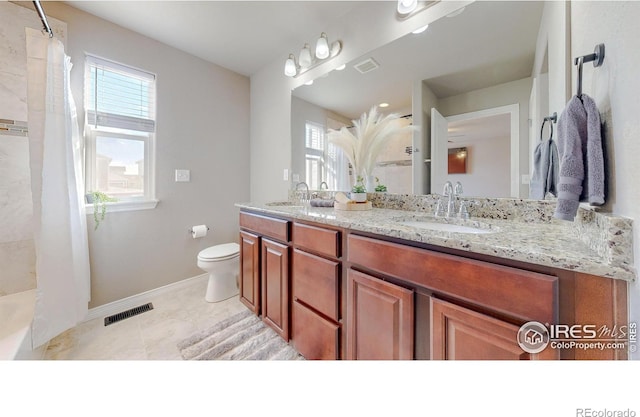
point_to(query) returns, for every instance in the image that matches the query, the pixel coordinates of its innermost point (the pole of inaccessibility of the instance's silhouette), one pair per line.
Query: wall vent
(126, 314)
(367, 65)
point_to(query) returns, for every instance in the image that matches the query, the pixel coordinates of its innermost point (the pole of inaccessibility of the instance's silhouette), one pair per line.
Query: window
(120, 126)
(323, 160)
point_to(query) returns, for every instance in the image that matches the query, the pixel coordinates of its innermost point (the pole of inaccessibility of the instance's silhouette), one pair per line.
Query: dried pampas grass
(372, 133)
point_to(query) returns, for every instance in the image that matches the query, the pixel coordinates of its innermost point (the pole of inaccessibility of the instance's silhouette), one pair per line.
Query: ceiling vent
(367, 65)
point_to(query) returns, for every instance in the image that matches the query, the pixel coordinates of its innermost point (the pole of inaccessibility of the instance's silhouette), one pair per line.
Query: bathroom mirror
(478, 69)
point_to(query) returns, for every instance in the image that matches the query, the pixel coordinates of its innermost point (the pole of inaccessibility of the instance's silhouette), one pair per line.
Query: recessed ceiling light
(341, 67)
(383, 105)
(420, 30)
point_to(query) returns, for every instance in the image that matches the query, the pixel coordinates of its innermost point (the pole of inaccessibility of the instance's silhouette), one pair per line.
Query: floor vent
(126, 314)
(367, 65)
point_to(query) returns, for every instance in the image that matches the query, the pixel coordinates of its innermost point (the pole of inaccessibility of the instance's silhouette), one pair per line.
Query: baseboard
(115, 307)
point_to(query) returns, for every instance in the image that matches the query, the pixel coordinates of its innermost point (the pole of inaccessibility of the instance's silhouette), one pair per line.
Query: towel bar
(597, 57)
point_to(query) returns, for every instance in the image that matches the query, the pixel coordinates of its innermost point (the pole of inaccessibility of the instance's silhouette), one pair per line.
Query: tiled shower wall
(17, 256)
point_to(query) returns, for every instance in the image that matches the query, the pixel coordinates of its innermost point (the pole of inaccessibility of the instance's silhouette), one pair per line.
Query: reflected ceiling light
(306, 60)
(420, 30)
(310, 82)
(290, 67)
(341, 67)
(407, 6)
(305, 56)
(383, 105)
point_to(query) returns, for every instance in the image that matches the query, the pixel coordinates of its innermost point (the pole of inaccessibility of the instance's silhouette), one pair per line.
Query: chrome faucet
(305, 197)
(326, 186)
(452, 193)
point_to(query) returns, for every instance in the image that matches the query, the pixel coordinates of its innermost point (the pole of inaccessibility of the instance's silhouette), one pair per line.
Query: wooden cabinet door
(250, 271)
(312, 335)
(275, 286)
(460, 333)
(380, 319)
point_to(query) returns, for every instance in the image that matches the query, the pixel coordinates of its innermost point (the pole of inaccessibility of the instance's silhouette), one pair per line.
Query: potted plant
(99, 200)
(359, 192)
(380, 188)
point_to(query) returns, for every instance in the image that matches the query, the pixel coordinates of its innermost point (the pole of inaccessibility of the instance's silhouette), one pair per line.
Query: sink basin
(445, 227)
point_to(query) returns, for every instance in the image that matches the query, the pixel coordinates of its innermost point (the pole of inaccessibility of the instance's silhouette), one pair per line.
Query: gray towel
(545, 170)
(581, 160)
(318, 202)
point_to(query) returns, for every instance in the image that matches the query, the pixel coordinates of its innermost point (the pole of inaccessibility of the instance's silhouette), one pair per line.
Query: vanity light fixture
(305, 57)
(383, 105)
(306, 60)
(409, 8)
(290, 67)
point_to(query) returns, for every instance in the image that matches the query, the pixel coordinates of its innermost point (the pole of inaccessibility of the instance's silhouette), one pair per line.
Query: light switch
(285, 174)
(183, 175)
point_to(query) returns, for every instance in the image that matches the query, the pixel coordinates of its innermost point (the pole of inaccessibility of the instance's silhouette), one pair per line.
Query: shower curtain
(59, 218)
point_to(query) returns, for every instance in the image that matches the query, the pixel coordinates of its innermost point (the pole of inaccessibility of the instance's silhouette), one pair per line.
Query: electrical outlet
(183, 175)
(525, 179)
(285, 174)
(296, 177)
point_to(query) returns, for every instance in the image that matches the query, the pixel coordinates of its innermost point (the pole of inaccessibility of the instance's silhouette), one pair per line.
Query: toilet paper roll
(199, 231)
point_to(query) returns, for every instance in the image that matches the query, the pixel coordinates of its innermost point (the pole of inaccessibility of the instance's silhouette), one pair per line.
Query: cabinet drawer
(316, 239)
(518, 293)
(268, 226)
(313, 336)
(316, 283)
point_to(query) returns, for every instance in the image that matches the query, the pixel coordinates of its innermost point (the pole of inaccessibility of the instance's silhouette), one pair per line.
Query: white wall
(202, 125)
(615, 87)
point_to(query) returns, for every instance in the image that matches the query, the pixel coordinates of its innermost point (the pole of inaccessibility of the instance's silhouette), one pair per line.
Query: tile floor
(154, 334)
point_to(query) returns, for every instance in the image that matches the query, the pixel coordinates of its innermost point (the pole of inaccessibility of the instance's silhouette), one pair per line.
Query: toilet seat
(221, 252)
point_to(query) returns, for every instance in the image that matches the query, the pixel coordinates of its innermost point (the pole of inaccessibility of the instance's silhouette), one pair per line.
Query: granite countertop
(552, 242)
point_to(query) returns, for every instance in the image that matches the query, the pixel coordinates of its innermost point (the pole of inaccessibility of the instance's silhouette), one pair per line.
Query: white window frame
(146, 201)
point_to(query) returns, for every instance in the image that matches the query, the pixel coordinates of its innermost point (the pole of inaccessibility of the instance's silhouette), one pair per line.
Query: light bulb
(305, 56)
(407, 6)
(290, 66)
(420, 30)
(322, 47)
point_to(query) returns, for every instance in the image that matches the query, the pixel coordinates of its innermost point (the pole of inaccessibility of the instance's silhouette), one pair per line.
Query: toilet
(222, 264)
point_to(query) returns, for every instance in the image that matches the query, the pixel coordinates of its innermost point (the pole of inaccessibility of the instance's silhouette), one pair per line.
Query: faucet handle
(439, 209)
(458, 188)
(463, 213)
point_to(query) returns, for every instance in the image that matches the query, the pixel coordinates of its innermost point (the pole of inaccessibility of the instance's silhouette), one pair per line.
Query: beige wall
(615, 87)
(202, 125)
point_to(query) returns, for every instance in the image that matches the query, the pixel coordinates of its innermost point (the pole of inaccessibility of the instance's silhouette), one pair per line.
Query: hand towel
(545, 170)
(318, 202)
(581, 160)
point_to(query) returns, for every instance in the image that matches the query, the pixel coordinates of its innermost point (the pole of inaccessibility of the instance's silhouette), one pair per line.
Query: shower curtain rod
(43, 17)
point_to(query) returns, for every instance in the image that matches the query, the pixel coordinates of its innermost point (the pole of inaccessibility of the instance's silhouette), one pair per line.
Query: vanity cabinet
(463, 334)
(486, 305)
(316, 287)
(335, 293)
(265, 269)
(380, 319)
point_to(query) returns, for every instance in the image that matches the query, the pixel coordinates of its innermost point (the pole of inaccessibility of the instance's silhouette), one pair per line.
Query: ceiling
(243, 36)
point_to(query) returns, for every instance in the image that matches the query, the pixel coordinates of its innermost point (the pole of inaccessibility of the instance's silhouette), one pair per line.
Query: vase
(370, 183)
(359, 197)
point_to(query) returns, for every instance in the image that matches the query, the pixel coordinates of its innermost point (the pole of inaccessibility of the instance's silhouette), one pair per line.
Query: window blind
(119, 97)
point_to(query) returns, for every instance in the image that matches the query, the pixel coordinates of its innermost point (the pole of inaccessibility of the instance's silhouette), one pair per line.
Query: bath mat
(240, 337)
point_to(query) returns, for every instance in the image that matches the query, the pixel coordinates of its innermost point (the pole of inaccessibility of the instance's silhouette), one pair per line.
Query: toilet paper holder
(191, 230)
